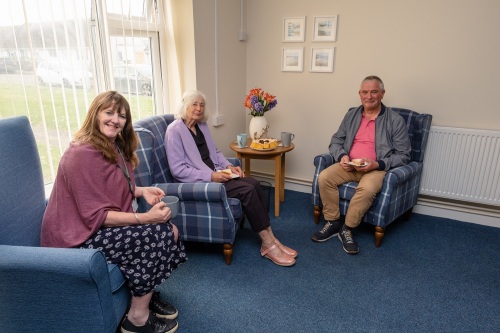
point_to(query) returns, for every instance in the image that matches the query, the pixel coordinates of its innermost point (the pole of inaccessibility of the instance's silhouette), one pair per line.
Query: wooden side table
(278, 155)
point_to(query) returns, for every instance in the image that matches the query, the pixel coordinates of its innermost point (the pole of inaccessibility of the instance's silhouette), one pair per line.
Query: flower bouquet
(259, 102)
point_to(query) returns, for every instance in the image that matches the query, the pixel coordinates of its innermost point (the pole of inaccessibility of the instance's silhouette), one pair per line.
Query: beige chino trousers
(369, 184)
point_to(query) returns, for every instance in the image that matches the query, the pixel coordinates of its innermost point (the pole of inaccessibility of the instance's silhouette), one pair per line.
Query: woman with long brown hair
(93, 205)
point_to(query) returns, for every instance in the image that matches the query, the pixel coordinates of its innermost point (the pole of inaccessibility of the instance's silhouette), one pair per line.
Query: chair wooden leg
(228, 253)
(379, 234)
(317, 214)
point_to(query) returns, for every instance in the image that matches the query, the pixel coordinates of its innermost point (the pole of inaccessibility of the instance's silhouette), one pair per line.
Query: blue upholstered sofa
(401, 185)
(206, 214)
(46, 289)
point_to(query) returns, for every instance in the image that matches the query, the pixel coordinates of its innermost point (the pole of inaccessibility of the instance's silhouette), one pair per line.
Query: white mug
(286, 138)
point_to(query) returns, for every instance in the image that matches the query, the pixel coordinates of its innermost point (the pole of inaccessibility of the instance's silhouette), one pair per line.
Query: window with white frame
(57, 55)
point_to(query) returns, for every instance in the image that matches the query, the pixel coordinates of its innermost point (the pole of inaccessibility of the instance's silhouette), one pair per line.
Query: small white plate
(362, 165)
(233, 175)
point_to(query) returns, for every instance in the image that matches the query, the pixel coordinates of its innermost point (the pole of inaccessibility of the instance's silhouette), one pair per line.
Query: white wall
(434, 56)
(183, 23)
(231, 66)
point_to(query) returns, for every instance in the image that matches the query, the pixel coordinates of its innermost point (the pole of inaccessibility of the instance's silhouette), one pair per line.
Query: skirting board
(425, 208)
(476, 218)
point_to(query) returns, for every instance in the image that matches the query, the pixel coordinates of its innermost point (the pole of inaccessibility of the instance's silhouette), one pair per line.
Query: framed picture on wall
(325, 28)
(292, 60)
(294, 29)
(322, 59)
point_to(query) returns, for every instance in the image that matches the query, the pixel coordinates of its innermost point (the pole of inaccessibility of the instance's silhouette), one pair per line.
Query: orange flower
(259, 102)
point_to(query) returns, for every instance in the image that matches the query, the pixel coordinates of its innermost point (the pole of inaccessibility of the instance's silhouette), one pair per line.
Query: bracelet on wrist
(137, 218)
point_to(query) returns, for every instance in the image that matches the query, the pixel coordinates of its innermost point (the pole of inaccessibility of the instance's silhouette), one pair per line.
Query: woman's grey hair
(188, 98)
(374, 78)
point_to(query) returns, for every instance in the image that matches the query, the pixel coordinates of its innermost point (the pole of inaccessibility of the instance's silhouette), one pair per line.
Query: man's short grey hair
(374, 78)
(188, 98)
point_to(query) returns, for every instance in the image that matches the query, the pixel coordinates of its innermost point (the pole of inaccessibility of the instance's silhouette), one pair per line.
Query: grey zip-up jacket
(392, 143)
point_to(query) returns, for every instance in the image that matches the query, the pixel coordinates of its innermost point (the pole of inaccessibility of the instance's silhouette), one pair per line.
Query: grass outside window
(63, 113)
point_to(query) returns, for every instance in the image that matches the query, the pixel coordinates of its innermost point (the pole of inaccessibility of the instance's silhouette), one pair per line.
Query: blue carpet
(429, 275)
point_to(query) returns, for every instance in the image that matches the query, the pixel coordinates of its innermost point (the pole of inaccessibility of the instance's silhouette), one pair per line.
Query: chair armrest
(398, 194)
(52, 284)
(321, 162)
(234, 161)
(201, 192)
(195, 191)
(401, 174)
(205, 211)
(78, 265)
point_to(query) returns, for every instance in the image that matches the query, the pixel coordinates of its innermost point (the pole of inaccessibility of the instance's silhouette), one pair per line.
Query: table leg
(247, 167)
(277, 185)
(282, 178)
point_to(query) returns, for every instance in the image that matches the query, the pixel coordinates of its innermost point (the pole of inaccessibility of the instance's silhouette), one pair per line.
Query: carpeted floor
(429, 275)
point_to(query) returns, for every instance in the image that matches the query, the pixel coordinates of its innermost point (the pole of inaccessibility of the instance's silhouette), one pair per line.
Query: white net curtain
(57, 55)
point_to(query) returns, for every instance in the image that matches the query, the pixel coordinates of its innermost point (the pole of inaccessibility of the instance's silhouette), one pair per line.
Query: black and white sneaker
(153, 325)
(348, 243)
(161, 308)
(330, 229)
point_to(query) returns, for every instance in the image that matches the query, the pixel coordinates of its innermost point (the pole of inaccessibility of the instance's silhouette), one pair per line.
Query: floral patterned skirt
(146, 254)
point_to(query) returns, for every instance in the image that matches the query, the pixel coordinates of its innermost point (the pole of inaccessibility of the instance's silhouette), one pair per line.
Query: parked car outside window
(62, 73)
(134, 79)
(7, 66)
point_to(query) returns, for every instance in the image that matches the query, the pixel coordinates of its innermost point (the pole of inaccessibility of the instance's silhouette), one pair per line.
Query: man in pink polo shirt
(370, 140)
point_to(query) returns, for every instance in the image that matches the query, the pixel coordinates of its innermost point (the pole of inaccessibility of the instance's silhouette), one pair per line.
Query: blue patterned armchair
(206, 214)
(401, 185)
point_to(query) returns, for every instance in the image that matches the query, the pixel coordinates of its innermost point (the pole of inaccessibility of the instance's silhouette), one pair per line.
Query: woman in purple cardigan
(193, 157)
(92, 205)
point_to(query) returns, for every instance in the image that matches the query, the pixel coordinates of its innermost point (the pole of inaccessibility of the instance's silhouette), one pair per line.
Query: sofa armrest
(54, 286)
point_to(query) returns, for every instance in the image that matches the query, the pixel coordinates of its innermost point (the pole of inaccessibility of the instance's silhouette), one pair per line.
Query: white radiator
(462, 164)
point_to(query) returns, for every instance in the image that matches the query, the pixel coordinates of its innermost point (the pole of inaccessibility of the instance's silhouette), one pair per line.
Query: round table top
(248, 150)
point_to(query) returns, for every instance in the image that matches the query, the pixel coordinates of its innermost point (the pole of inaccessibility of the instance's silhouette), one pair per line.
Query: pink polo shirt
(363, 145)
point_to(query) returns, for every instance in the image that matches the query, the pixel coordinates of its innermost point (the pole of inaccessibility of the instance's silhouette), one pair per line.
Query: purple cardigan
(184, 159)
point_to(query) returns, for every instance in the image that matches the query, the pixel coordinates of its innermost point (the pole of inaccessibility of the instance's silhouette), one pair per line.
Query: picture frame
(294, 29)
(325, 28)
(322, 59)
(292, 59)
